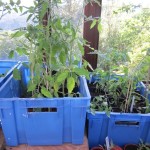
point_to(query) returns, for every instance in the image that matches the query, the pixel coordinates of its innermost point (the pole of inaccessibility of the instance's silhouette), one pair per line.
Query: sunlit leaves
(54, 49)
(21, 50)
(29, 17)
(99, 27)
(18, 2)
(11, 2)
(46, 92)
(16, 74)
(31, 86)
(62, 57)
(81, 71)
(62, 76)
(93, 23)
(16, 10)
(81, 48)
(11, 54)
(44, 9)
(70, 84)
(18, 34)
(56, 86)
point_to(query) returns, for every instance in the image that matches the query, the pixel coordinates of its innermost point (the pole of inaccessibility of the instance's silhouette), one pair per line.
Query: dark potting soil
(95, 92)
(60, 91)
(139, 107)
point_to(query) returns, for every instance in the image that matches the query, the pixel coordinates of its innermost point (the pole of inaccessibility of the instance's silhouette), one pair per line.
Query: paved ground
(84, 146)
(1, 140)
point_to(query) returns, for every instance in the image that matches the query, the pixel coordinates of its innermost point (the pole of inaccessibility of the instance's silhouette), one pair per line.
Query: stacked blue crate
(64, 125)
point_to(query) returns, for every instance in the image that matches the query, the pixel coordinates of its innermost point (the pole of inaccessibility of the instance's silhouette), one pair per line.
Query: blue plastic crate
(129, 128)
(143, 90)
(9, 87)
(25, 73)
(121, 128)
(97, 128)
(6, 68)
(45, 128)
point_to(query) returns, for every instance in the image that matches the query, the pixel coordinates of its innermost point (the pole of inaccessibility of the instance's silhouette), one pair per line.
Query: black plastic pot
(131, 147)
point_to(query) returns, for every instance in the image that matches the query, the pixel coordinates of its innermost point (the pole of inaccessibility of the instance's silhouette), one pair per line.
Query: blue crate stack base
(65, 125)
(120, 128)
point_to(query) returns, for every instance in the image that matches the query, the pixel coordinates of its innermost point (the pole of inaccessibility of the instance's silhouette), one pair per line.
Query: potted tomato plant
(117, 108)
(53, 109)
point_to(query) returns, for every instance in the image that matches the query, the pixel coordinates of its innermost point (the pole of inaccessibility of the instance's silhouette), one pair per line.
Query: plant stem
(127, 97)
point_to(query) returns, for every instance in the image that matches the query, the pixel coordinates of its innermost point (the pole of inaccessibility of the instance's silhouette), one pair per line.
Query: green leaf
(62, 76)
(29, 17)
(58, 23)
(24, 12)
(17, 34)
(70, 84)
(81, 48)
(55, 49)
(62, 57)
(21, 8)
(98, 2)
(18, 2)
(44, 9)
(45, 92)
(20, 50)
(49, 78)
(53, 62)
(11, 2)
(56, 86)
(99, 27)
(31, 87)
(1, 4)
(81, 71)
(11, 54)
(89, 65)
(93, 23)
(16, 10)
(16, 74)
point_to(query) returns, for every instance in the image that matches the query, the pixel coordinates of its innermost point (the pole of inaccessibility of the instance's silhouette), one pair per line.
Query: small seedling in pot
(143, 146)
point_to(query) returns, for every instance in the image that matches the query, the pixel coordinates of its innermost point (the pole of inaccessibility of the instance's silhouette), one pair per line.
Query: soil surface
(115, 104)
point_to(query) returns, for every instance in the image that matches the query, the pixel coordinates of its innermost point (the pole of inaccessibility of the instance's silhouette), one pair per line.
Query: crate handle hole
(43, 109)
(132, 123)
